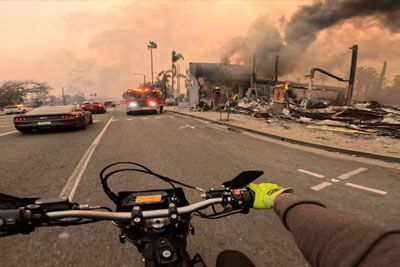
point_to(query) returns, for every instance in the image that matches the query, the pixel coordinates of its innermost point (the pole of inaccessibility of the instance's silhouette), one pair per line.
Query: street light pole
(63, 96)
(152, 45)
(144, 77)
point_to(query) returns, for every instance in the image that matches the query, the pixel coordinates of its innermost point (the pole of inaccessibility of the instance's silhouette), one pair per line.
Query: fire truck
(144, 98)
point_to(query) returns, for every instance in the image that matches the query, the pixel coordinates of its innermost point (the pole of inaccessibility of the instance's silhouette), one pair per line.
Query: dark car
(109, 104)
(53, 117)
(94, 107)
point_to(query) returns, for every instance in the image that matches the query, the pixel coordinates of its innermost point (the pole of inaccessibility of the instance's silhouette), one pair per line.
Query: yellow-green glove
(265, 194)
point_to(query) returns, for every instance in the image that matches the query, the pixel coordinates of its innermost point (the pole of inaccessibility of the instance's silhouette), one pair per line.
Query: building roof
(214, 71)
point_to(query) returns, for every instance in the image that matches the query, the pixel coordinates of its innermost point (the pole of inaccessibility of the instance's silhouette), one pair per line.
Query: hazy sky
(97, 45)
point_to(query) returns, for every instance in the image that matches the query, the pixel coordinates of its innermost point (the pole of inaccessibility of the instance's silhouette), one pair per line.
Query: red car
(93, 107)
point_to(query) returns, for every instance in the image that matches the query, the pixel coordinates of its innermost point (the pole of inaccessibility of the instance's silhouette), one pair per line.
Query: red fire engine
(144, 98)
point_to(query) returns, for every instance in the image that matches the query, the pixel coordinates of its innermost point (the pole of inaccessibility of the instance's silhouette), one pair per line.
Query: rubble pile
(257, 108)
(363, 118)
(360, 118)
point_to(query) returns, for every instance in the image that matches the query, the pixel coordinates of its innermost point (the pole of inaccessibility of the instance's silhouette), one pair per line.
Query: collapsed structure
(239, 88)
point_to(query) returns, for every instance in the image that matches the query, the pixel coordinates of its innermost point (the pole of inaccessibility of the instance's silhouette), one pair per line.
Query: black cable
(144, 169)
(105, 208)
(139, 170)
(213, 208)
(149, 172)
(212, 217)
(72, 223)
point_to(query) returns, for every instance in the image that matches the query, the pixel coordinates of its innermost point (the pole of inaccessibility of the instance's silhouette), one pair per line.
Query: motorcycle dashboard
(150, 199)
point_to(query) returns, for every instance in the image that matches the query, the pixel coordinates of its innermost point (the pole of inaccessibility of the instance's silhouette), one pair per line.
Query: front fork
(159, 249)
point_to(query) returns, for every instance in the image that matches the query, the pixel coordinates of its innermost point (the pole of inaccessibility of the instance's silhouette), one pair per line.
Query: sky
(96, 46)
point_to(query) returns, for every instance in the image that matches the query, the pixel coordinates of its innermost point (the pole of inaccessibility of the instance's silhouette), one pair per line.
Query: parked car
(15, 109)
(93, 107)
(171, 102)
(53, 117)
(109, 104)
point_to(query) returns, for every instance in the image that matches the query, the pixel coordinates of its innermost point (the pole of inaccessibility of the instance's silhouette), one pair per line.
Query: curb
(299, 142)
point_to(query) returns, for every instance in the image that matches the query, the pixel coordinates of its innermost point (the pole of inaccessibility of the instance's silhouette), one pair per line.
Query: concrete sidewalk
(378, 147)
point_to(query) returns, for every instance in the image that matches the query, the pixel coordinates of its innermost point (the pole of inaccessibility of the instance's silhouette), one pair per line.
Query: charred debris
(238, 89)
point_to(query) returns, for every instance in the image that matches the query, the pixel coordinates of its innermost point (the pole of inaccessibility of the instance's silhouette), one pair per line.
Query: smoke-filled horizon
(310, 38)
(85, 48)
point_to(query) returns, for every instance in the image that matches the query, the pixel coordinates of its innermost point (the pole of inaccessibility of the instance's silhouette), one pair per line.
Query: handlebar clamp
(172, 211)
(137, 215)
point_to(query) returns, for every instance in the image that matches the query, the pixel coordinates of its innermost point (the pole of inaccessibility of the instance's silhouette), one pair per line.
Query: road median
(380, 148)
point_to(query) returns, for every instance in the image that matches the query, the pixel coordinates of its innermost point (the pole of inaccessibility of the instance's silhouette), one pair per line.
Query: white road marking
(366, 188)
(73, 181)
(96, 121)
(129, 119)
(115, 119)
(311, 173)
(321, 186)
(157, 117)
(351, 173)
(144, 118)
(7, 133)
(6, 126)
(335, 180)
(333, 155)
(186, 126)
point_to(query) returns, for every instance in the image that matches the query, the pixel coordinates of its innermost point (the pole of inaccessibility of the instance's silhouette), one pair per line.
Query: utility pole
(352, 77)
(63, 96)
(178, 84)
(152, 45)
(144, 77)
(276, 67)
(382, 76)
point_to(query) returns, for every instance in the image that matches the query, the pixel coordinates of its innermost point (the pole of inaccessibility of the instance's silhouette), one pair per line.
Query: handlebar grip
(214, 194)
(14, 221)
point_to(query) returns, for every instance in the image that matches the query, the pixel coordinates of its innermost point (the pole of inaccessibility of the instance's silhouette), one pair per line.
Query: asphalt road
(47, 164)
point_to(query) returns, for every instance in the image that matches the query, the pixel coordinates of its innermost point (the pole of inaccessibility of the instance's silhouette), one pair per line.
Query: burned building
(215, 83)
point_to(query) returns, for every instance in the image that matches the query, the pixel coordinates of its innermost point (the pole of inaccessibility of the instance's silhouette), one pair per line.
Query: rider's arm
(330, 238)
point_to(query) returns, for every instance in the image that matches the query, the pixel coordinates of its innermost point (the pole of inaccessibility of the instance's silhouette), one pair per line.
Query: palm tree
(163, 81)
(175, 58)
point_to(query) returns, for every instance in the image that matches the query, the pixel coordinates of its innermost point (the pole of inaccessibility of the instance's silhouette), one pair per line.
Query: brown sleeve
(331, 238)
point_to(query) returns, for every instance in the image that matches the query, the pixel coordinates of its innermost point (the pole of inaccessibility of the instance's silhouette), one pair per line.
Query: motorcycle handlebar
(127, 216)
(24, 219)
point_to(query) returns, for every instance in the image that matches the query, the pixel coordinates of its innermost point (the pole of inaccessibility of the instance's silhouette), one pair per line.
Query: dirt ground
(324, 136)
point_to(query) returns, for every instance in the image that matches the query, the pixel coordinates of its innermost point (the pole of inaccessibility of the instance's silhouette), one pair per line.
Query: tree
(77, 99)
(163, 80)
(175, 58)
(12, 92)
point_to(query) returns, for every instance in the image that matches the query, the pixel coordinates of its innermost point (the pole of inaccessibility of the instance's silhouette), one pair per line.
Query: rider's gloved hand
(265, 194)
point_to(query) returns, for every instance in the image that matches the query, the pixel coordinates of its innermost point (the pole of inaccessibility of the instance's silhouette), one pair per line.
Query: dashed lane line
(7, 133)
(73, 181)
(311, 173)
(187, 126)
(366, 188)
(321, 186)
(341, 177)
(351, 173)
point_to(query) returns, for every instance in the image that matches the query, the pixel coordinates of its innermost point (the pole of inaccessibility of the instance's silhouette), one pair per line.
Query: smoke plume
(298, 35)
